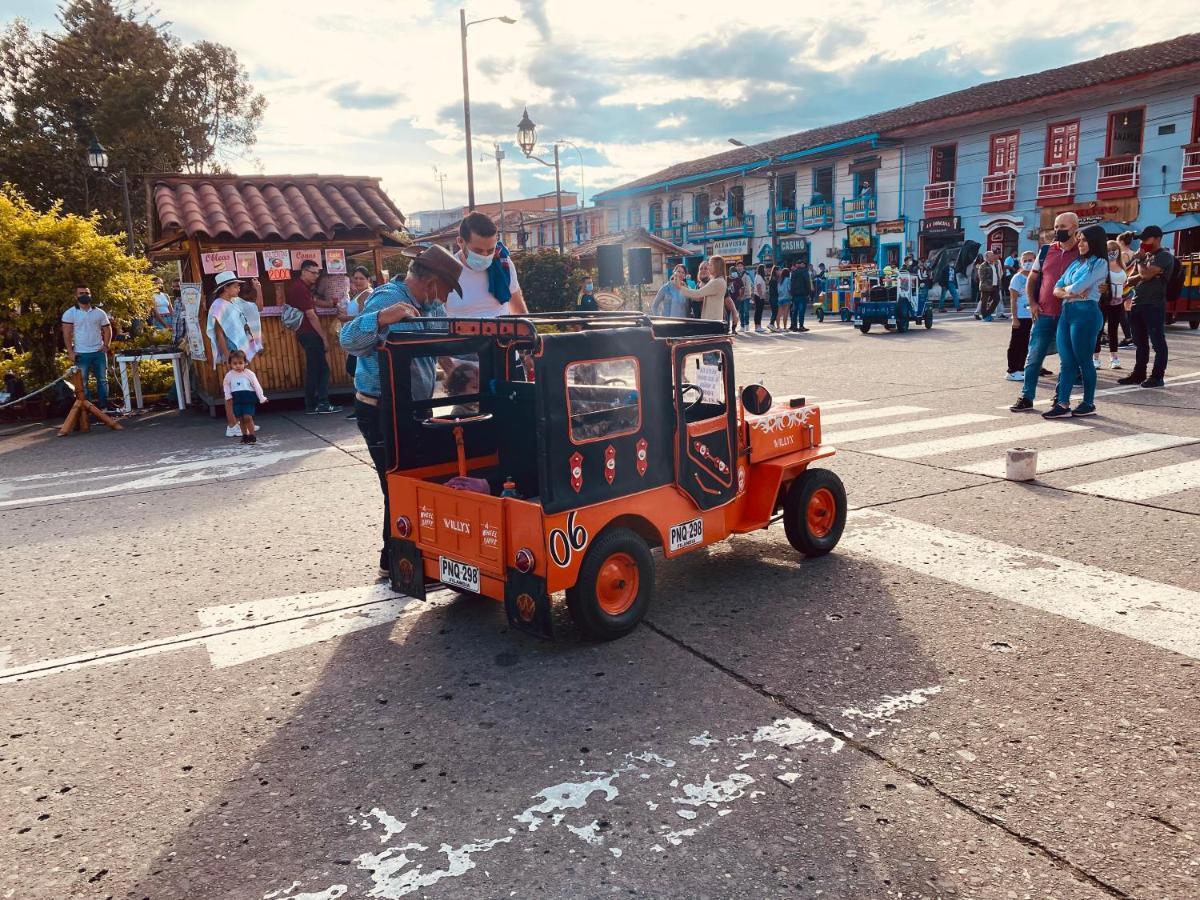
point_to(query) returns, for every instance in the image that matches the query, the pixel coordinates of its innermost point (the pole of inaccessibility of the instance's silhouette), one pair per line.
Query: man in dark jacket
(801, 286)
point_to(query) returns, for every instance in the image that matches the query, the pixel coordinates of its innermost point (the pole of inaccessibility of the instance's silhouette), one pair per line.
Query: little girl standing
(244, 392)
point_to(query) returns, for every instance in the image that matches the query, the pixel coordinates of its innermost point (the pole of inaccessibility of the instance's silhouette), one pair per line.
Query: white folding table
(183, 389)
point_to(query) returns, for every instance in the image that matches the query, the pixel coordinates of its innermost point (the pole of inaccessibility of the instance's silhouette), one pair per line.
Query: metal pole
(462, 20)
(771, 217)
(500, 179)
(128, 213)
(558, 198)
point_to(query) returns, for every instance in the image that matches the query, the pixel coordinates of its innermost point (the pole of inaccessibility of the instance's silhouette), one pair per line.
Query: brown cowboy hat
(438, 260)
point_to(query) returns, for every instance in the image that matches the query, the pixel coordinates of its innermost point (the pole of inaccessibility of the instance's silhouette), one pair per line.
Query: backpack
(291, 317)
(1175, 281)
(735, 287)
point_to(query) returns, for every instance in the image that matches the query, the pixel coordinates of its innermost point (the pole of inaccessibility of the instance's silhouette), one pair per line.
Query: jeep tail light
(525, 561)
(404, 526)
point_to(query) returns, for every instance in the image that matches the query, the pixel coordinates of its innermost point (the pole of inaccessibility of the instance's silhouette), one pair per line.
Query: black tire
(903, 315)
(929, 317)
(845, 314)
(864, 327)
(584, 600)
(1194, 324)
(796, 522)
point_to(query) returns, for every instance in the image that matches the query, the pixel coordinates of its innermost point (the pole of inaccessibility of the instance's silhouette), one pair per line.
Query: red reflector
(403, 526)
(525, 561)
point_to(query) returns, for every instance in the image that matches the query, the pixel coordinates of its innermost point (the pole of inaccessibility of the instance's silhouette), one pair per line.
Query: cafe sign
(1123, 210)
(891, 226)
(731, 247)
(1184, 202)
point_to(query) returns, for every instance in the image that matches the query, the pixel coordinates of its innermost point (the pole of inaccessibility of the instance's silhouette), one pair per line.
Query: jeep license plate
(456, 574)
(687, 534)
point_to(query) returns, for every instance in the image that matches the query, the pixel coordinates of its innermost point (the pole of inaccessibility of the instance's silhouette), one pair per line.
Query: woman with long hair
(1079, 290)
(785, 300)
(1112, 304)
(712, 293)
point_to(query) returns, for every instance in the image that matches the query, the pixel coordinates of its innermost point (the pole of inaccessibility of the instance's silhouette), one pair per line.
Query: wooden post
(77, 418)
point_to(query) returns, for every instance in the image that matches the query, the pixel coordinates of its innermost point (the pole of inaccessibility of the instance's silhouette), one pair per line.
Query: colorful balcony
(1191, 166)
(674, 233)
(819, 215)
(729, 227)
(785, 221)
(939, 198)
(859, 210)
(1118, 176)
(1056, 184)
(999, 192)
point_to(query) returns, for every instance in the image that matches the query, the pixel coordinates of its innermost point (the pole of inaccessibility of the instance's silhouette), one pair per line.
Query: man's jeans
(95, 363)
(952, 288)
(799, 308)
(744, 311)
(370, 426)
(1148, 322)
(1041, 341)
(316, 371)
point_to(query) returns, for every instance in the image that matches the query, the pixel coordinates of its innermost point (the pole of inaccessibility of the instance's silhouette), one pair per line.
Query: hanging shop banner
(221, 261)
(941, 224)
(191, 296)
(1124, 209)
(300, 257)
(335, 262)
(891, 226)
(858, 235)
(793, 245)
(247, 263)
(278, 264)
(731, 247)
(1184, 202)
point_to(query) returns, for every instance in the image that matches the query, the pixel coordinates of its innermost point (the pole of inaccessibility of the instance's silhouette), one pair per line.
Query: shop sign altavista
(731, 247)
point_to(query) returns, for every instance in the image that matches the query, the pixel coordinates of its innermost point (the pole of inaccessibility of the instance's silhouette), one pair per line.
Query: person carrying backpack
(1155, 277)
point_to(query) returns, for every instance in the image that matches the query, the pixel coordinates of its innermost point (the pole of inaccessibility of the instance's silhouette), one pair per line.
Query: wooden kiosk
(194, 215)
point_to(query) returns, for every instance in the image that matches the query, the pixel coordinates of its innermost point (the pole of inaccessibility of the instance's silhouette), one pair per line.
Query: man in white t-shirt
(489, 279)
(87, 332)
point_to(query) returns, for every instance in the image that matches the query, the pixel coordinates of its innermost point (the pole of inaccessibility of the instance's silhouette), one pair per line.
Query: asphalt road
(990, 690)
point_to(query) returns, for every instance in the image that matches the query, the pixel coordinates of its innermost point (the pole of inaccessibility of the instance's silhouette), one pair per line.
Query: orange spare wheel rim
(617, 584)
(822, 509)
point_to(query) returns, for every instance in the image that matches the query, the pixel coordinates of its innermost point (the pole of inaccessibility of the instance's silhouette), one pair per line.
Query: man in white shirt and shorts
(489, 279)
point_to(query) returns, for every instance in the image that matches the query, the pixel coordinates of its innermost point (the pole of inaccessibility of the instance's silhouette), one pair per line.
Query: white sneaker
(1015, 376)
(1115, 363)
(760, 331)
(1095, 362)
(233, 431)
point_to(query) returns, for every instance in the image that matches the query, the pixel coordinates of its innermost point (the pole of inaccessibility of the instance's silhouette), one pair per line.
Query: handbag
(291, 317)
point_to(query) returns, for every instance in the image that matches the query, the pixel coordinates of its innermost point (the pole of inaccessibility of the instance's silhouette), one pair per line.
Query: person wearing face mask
(1018, 341)
(1044, 307)
(489, 285)
(87, 334)
(586, 302)
(433, 275)
(1151, 268)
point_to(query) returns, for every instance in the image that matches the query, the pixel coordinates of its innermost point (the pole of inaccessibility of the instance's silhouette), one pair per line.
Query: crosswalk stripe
(862, 415)
(978, 439)
(882, 431)
(1091, 452)
(1159, 614)
(1143, 485)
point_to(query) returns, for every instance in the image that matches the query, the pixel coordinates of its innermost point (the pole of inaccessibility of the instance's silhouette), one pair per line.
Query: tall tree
(113, 73)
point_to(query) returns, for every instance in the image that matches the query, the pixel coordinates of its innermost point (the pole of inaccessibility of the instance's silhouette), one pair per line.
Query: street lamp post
(97, 158)
(463, 25)
(771, 176)
(527, 140)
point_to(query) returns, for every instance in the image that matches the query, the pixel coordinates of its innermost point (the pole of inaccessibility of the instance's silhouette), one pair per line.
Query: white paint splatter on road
(887, 709)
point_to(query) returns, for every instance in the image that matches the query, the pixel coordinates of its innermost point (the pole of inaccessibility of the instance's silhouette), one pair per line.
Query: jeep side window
(707, 370)
(603, 398)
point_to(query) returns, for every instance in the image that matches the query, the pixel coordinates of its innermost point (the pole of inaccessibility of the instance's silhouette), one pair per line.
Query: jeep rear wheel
(615, 585)
(814, 512)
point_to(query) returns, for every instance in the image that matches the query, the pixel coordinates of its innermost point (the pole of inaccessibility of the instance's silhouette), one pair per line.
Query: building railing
(1118, 173)
(785, 221)
(859, 209)
(730, 226)
(1056, 182)
(999, 190)
(939, 198)
(1191, 162)
(817, 215)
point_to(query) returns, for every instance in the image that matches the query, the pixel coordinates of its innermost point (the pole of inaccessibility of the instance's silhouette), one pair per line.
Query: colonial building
(1115, 138)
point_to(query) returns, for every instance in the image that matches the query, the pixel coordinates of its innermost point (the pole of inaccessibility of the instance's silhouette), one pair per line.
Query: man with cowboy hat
(433, 273)
(233, 324)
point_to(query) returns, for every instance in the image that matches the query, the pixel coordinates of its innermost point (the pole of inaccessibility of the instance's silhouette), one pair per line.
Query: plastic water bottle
(510, 489)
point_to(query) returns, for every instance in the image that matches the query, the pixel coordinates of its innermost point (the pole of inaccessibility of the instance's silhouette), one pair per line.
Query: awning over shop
(1182, 223)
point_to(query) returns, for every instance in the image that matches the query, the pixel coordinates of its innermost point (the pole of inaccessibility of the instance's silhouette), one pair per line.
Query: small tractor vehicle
(895, 307)
(553, 452)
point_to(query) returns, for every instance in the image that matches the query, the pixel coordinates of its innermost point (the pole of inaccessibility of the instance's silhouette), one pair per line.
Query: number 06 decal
(565, 543)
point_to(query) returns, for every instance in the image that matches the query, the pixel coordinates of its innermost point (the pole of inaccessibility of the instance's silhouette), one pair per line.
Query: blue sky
(377, 89)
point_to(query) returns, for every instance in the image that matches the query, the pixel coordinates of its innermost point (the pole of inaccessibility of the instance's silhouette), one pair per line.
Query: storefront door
(1002, 241)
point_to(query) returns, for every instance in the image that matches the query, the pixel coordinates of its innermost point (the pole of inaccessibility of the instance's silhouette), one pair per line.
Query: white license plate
(687, 534)
(457, 574)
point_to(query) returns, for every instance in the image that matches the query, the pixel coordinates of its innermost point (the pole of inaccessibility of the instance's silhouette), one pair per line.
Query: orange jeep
(552, 452)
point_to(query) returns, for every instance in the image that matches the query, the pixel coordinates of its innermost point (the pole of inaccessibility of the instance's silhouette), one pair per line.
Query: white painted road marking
(1162, 615)
(882, 431)
(1158, 482)
(978, 439)
(1091, 452)
(860, 415)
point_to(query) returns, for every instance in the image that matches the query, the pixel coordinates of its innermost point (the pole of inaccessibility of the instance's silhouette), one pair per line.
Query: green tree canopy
(111, 72)
(43, 255)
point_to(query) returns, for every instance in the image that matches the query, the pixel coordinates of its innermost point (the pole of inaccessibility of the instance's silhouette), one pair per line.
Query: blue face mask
(477, 262)
(588, 286)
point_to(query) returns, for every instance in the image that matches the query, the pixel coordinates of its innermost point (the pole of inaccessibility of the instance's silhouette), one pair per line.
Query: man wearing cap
(433, 274)
(1152, 267)
(234, 324)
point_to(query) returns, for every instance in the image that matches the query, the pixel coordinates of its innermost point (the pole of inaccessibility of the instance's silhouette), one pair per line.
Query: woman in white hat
(234, 324)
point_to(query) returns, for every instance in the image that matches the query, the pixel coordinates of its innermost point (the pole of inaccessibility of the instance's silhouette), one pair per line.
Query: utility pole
(440, 177)
(500, 181)
(462, 22)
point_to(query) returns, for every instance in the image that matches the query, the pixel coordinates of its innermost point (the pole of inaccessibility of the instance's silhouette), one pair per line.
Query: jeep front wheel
(814, 512)
(615, 585)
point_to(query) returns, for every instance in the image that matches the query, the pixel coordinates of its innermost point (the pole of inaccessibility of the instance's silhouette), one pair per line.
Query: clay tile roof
(1115, 67)
(631, 235)
(271, 208)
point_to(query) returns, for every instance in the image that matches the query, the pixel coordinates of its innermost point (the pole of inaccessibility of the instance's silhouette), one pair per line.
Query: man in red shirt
(1044, 307)
(312, 339)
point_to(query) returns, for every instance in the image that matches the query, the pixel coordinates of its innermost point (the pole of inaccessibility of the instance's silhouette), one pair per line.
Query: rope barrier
(63, 377)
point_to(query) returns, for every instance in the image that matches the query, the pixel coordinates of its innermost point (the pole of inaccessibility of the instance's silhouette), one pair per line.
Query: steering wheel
(619, 382)
(685, 387)
(442, 422)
